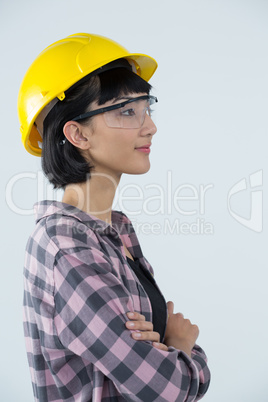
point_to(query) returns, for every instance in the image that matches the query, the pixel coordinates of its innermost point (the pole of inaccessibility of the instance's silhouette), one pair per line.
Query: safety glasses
(128, 114)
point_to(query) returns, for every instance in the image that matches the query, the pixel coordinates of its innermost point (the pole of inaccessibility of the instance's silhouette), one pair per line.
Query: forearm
(138, 370)
(198, 357)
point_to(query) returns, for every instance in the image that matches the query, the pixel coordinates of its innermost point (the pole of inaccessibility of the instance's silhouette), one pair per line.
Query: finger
(160, 346)
(140, 325)
(136, 316)
(196, 329)
(146, 336)
(170, 307)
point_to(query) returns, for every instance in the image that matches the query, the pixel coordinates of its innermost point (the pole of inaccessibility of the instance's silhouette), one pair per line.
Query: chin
(140, 170)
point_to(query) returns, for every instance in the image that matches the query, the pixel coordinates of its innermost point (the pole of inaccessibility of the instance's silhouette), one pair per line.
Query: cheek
(112, 146)
(120, 143)
(120, 151)
(113, 149)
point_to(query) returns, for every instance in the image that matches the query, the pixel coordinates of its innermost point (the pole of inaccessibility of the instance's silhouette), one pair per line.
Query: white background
(212, 84)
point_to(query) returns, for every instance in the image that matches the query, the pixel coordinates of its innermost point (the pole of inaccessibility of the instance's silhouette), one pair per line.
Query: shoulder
(60, 226)
(68, 232)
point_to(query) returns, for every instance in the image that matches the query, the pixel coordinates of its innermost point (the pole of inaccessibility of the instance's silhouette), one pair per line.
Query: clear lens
(132, 115)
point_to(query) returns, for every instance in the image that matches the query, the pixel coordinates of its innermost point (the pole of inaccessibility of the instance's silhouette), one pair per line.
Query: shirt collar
(120, 222)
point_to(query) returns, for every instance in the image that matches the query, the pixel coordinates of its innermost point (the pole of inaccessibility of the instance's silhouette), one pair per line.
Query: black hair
(64, 164)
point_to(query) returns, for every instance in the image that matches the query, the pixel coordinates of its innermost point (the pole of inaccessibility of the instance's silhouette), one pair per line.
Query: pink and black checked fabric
(78, 289)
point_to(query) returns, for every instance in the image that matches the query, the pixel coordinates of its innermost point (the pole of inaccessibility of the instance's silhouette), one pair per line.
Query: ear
(73, 132)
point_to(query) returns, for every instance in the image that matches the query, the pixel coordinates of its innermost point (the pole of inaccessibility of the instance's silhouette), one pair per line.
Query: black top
(158, 302)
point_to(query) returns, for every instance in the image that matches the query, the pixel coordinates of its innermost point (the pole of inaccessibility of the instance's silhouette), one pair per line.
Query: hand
(143, 330)
(180, 332)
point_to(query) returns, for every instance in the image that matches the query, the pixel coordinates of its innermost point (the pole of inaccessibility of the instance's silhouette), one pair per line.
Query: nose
(148, 127)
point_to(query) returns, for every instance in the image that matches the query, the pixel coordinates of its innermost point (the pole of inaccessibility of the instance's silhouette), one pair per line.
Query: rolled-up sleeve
(91, 302)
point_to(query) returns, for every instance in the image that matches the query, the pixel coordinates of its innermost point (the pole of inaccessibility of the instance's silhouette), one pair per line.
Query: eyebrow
(123, 97)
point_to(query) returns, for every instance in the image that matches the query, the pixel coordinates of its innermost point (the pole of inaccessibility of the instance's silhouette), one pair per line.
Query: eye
(128, 112)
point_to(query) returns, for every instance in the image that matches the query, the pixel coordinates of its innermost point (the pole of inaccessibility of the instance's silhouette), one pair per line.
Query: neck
(95, 196)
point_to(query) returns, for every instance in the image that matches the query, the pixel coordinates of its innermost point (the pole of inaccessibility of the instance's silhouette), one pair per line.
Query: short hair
(64, 164)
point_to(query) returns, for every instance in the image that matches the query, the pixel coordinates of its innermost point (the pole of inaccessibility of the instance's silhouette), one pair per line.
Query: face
(119, 150)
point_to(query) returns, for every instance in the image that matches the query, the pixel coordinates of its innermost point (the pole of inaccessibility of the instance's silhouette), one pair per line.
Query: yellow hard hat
(60, 66)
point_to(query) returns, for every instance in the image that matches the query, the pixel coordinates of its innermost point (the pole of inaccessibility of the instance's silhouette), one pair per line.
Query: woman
(94, 316)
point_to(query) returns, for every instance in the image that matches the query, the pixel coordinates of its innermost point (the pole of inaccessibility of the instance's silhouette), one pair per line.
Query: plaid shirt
(78, 289)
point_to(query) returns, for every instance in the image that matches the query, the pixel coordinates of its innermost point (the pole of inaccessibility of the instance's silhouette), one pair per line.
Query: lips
(147, 146)
(145, 149)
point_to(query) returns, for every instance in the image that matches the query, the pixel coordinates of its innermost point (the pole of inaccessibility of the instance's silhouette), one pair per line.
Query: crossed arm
(92, 321)
(180, 332)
